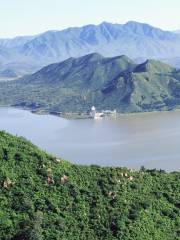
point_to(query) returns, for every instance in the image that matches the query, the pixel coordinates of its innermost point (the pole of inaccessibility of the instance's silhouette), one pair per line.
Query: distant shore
(75, 115)
(83, 115)
(61, 114)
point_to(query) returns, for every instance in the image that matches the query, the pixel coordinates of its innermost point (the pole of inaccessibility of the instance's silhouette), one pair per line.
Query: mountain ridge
(76, 84)
(132, 39)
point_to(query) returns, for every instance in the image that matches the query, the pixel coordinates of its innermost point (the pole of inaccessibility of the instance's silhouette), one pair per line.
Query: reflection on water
(133, 140)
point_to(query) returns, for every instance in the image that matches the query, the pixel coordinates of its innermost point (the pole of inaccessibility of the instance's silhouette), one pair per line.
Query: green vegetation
(42, 197)
(108, 83)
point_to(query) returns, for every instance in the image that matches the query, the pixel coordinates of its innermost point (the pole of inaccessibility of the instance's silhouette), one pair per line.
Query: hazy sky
(26, 17)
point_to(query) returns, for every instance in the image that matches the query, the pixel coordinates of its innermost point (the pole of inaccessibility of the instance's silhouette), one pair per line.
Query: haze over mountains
(76, 84)
(177, 31)
(23, 55)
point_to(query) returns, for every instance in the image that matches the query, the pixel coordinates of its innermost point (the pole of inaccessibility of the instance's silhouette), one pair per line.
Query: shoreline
(119, 119)
(76, 116)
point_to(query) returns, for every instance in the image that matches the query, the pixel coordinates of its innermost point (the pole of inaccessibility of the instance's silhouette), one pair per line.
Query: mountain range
(76, 84)
(24, 55)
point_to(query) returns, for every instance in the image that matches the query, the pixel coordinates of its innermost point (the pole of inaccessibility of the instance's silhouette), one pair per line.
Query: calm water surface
(152, 140)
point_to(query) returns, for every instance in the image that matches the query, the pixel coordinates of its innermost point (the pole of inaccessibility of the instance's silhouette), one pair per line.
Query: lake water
(151, 140)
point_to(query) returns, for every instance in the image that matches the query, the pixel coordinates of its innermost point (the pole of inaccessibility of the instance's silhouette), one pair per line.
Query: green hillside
(108, 83)
(43, 197)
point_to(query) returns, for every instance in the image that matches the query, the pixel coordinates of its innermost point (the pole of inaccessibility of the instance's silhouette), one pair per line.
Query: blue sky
(26, 17)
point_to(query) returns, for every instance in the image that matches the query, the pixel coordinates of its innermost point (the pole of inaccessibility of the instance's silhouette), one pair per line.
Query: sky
(29, 17)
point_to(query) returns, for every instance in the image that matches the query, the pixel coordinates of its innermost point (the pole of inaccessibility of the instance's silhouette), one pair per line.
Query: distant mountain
(15, 42)
(76, 84)
(136, 40)
(5, 56)
(174, 62)
(8, 73)
(19, 68)
(177, 31)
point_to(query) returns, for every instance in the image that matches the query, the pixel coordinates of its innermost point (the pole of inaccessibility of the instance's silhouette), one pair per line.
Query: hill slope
(175, 62)
(132, 39)
(43, 197)
(75, 85)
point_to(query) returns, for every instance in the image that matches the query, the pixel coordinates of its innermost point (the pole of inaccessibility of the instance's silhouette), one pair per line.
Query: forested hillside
(75, 85)
(44, 197)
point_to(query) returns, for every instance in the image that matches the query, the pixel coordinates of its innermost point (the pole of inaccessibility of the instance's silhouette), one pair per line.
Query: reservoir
(133, 140)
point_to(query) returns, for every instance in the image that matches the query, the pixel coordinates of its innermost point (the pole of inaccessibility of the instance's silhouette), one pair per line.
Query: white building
(94, 114)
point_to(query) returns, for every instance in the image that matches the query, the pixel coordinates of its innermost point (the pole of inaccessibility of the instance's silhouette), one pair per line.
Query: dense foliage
(42, 197)
(108, 83)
